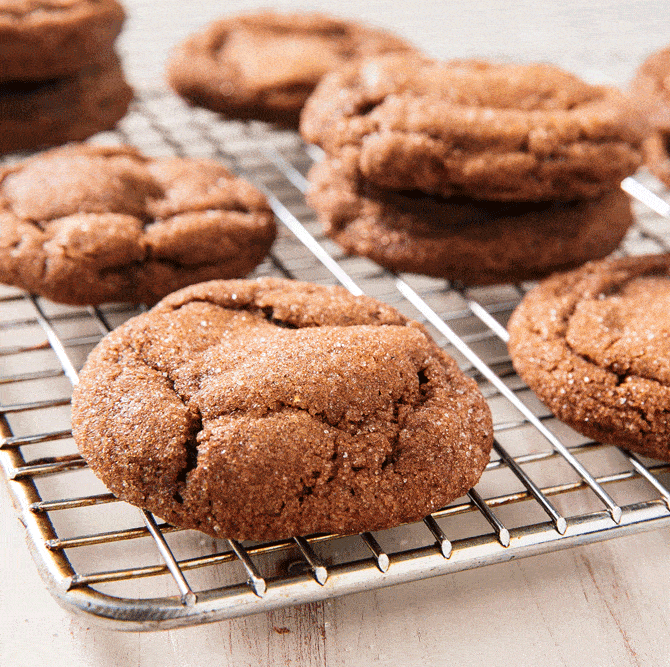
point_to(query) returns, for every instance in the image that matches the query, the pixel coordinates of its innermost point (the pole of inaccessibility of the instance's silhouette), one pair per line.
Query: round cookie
(476, 129)
(272, 408)
(594, 345)
(48, 113)
(86, 225)
(264, 65)
(45, 39)
(475, 242)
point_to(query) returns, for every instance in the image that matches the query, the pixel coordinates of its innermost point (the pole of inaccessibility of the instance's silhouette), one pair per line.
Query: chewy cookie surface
(476, 129)
(594, 345)
(272, 408)
(45, 39)
(264, 65)
(85, 224)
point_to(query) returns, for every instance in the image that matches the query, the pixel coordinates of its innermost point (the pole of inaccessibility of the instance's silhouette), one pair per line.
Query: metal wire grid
(546, 488)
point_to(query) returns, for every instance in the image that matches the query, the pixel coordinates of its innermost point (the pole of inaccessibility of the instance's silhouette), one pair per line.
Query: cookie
(268, 409)
(264, 65)
(46, 39)
(594, 345)
(476, 129)
(657, 155)
(86, 225)
(48, 113)
(651, 88)
(472, 241)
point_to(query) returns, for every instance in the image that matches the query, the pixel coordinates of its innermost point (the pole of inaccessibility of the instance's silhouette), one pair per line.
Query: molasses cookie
(85, 224)
(268, 409)
(47, 39)
(651, 89)
(473, 241)
(657, 154)
(264, 65)
(47, 113)
(594, 345)
(475, 129)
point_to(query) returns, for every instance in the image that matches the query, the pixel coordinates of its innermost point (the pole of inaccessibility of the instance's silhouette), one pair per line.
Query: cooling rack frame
(276, 161)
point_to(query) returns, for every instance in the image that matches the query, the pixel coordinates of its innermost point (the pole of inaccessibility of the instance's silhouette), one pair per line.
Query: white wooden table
(603, 604)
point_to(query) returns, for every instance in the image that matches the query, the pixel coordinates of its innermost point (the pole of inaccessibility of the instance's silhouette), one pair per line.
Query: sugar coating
(594, 345)
(86, 225)
(268, 409)
(478, 129)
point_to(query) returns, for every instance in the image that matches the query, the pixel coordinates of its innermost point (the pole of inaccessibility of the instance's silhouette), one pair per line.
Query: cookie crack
(191, 446)
(194, 430)
(266, 312)
(621, 377)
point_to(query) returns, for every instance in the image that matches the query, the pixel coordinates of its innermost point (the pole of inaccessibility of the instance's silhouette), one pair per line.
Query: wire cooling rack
(546, 487)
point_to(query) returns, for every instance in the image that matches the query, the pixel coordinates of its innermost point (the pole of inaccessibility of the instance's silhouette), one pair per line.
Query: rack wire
(546, 488)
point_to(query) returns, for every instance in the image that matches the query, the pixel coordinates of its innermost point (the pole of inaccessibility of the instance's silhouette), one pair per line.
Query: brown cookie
(45, 39)
(48, 113)
(651, 88)
(264, 65)
(269, 409)
(472, 241)
(476, 129)
(657, 155)
(594, 345)
(85, 224)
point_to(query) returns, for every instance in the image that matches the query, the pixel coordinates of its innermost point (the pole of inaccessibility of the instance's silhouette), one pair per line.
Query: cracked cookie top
(273, 408)
(42, 39)
(87, 224)
(265, 64)
(483, 130)
(594, 345)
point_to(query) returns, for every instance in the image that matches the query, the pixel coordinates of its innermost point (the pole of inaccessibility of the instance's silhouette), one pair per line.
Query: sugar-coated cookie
(470, 128)
(85, 224)
(594, 345)
(264, 65)
(46, 39)
(272, 408)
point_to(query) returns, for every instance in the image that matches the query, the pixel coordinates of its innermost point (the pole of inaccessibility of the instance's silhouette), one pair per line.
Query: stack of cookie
(651, 89)
(469, 170)
(264, 65)
(60, 79)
